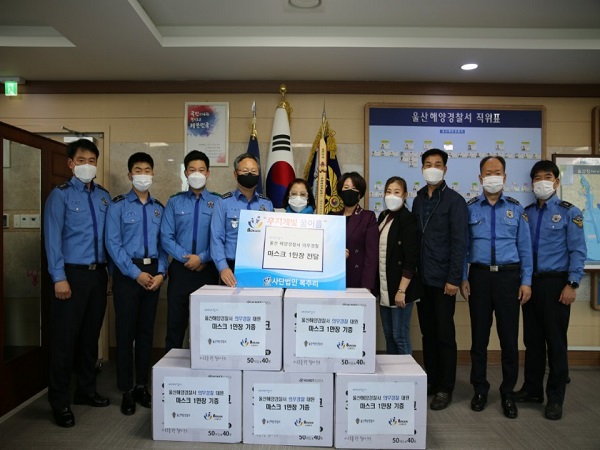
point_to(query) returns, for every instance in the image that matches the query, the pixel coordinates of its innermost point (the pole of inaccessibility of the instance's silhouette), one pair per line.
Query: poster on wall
(399, 134)
(207, 130)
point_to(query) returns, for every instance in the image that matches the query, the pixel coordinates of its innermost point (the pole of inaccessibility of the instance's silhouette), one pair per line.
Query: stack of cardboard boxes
(231, 387)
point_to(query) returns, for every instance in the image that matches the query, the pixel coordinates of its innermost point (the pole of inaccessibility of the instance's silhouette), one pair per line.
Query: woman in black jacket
(399, 283)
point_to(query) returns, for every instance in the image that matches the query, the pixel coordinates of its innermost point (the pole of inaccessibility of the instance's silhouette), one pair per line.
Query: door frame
(26, 375)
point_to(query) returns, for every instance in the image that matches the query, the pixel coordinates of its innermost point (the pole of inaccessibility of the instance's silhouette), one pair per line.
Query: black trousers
(76, 323)
(182, 282)
(494, 293)
(436, 319)
(135, 313)
(545, 323)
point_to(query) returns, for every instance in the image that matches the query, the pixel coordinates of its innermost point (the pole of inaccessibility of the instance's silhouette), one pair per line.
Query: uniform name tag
(147, 261)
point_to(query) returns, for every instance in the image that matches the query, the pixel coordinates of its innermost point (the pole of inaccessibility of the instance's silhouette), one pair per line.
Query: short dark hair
(311, 196)
(357, 180)
(432, 152)
(196, 155)
(82, 144)
(487, 158)
(544, 166)
(240, 158)
(139, 157)
(398, 180)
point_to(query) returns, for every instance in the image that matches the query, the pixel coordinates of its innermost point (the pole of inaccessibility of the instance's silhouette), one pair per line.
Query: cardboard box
(237, 329)
(288, 408)
(383, 410)
(329, 331)
(195, 405)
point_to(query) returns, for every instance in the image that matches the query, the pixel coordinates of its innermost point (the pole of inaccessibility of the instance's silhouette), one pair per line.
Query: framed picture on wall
(207, 130)
(580, 185)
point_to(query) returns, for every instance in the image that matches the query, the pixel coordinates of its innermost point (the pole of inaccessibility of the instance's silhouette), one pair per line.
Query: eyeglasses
(247, 171)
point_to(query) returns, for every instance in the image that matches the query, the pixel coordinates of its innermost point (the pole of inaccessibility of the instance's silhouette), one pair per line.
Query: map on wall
(398, 135)
(580, 185)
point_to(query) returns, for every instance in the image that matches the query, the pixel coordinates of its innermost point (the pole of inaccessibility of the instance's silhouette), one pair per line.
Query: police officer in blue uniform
(499, 280)
(74, 218)
(185, 235)
(559, 253)
(225, 222)
(140, 266)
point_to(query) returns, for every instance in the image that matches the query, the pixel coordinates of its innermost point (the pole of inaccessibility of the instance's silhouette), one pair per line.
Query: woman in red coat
(362, 235)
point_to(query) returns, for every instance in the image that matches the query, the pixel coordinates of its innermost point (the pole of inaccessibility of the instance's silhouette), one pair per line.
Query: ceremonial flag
(280, 162)
(253, 147)
(322, 170)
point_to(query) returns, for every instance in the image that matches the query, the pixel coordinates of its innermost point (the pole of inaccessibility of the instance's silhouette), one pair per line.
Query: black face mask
(248, 181)
(350, 197)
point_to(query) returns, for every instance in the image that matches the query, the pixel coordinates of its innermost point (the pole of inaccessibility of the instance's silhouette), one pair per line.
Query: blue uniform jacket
(504, 226)
(125, 236)
(74, 221)
(557, 237)
(177, 229)
(225, 223)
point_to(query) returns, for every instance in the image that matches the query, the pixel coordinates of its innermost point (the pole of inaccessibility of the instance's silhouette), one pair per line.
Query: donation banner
(298, 251)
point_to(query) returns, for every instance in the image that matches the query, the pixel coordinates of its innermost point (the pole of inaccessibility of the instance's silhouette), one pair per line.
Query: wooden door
(32, 166)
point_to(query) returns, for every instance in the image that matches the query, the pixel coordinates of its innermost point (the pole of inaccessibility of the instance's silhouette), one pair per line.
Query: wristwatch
(573, 284)
(400, 291)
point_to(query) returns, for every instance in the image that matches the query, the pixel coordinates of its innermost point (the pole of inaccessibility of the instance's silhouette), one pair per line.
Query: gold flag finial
(284, 104)
(253, 130)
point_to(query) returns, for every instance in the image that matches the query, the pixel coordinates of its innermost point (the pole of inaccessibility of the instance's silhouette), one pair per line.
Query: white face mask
(393, 203)
(543, 189)
(493, 184)
(85, 172)
(142, 182)
(196, 180)
(297, 203)
(433, 175)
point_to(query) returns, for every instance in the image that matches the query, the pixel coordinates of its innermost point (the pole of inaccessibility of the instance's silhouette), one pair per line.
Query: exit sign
(10, 88)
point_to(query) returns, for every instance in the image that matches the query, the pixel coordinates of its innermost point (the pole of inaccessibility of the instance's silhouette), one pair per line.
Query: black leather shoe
(553, 411)
(522, 396)
(142, 396)
(509, 407)
(478, 402)
(95, 400)
(64, 417)
(128, 403)
(441, 400)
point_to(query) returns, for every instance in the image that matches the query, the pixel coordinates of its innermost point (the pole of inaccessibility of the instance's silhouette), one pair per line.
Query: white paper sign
(294, 249)
(232, 329)
(196, 402)
(381, 408)
(290, 409)
(329, 331)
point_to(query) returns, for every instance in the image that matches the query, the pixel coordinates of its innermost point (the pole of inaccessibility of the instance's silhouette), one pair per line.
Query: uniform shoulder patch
(473, 200)
(264, 197)
(566, 204)
(178, 193)
(103, 188)
(118, 198)
(64, 186)
(525, 217)
(227, 195)
(578, 221)
(512, 200)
